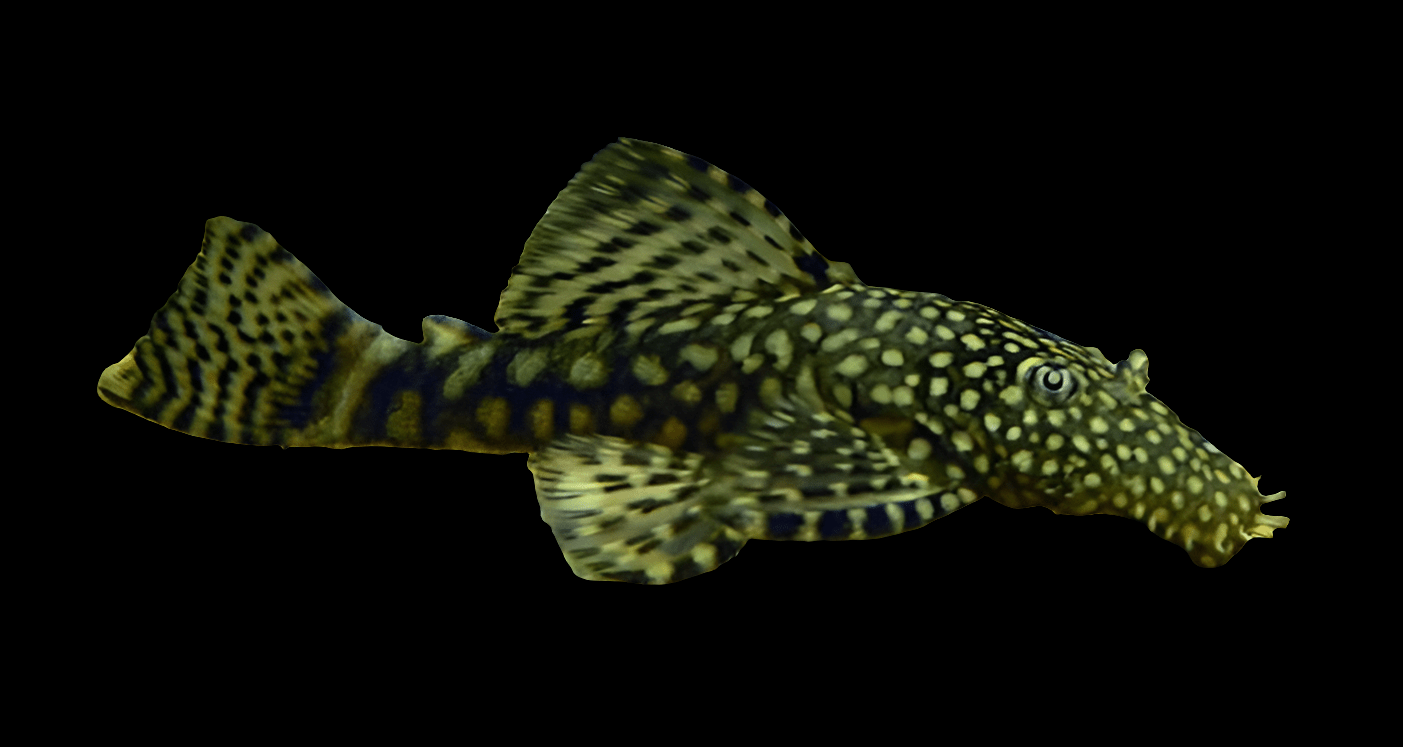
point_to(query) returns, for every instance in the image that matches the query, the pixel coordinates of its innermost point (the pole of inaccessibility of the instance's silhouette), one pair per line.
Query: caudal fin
(242, 352)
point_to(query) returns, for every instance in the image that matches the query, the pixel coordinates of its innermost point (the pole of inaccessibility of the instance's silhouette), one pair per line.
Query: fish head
(1079, 435)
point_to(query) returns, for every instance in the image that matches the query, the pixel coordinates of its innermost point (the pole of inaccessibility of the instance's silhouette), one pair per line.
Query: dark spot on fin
(834, 525)
(783, 526)
(588, 508)
(816, 267)
(878, 523)
(642, 205)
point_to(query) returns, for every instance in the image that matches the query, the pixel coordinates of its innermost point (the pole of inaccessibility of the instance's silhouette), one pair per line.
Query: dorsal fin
(643, 227)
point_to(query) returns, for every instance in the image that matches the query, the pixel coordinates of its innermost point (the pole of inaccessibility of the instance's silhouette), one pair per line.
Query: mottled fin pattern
(810, 476)
(242, 347)
(644, 228)
(625, 511)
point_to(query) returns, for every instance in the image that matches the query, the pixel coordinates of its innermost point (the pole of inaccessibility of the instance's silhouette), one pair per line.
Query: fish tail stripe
(235, 350)
(253, 348)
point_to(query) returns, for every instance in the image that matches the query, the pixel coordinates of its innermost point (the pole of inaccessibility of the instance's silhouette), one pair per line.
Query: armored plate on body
(688, 373)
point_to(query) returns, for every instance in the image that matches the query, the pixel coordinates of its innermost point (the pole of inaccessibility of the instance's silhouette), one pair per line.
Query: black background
(1114, 227)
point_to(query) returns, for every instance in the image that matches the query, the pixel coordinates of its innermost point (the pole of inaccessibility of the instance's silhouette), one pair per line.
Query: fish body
(688, 374)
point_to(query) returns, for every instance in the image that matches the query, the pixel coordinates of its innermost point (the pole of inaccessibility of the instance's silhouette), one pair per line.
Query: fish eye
(1052, 382)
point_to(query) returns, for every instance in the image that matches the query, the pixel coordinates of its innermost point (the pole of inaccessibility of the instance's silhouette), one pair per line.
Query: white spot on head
(852, 366)
(887, 321)
(838, 340)
(969, 399)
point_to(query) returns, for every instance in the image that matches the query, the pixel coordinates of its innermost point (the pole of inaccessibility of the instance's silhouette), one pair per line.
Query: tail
(252, 348)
